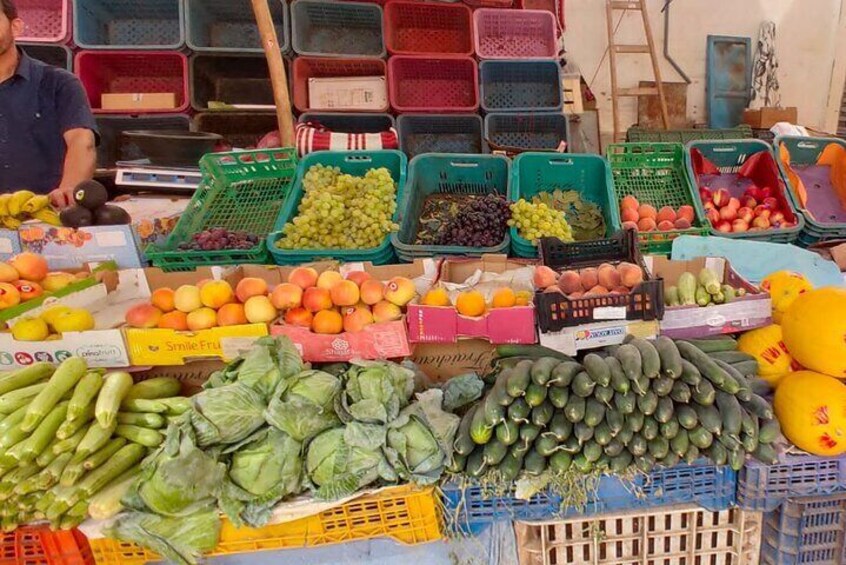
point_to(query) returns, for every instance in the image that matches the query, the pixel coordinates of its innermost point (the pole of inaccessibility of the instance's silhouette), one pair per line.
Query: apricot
(215, 294)
(666, 214)
(249, 287)
(299, 317)
(9, 296)
(358, 277)
(647, 211)
(608, 276)
(544, 277)
(345, 293)
(570, 282)
(666, 225)
(470, 303)
(259, 310)
(187, 298)
(687, 213)
(286, 295)
(316, 299)
(201, 319)
(589, 277)
(629, 215)
(163, 299)
(503, 298)
(327, 279)
(28, 290)
(629, 203)
(8, 273)
(372, 291)
(356, 319)
(327, 322)
(30, 267)
(631, 275)
(400, 291)
(385, 311)
(620, 290)
(646, 224)
(232, 314)
(174, 320)
(303, 277)
(143, 316)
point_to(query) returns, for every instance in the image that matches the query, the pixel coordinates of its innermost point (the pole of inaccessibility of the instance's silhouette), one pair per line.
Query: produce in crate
(701, 290)
(27, 276)
(645, 218)
(23, 205)
(590, 281)
(342, 211)
(757, 210)
(53, 321)
(536, 220)
(216, 239)
(466, 220)
(584, 217)
(472, 303)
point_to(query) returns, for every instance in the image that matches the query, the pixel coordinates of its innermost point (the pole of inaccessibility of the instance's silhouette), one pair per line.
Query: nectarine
(355, 319)
(8, 273)
(358, 277)
(316, 299)
(163, 299)
(544, 277)
(327, 322)
(187, 298)
(231, 314)
(372, 291)
(299, 317)
(400, 291)
(201, 319)
(30, 267)
(174, 320)
(327, 279)
(143, 316)
(303, 277)
(258, 310)
(28, 290)
(286, 295)
(249, 287)
(215, 294)
(386, 312)
(344, 293)
(9, 296)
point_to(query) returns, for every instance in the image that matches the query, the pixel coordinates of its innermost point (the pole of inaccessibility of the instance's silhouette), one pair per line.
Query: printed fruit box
(10, 244)
(67, 248)
(429, 323)
(753, 310)
(600, 334)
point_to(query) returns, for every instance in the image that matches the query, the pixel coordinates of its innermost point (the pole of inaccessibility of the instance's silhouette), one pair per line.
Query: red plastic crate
(133, 72)
(37, 545)
(45, 21)
(319, 67)
(443, 85)
(428, 28)
(515, 34)
(554, 6)
(490, 3)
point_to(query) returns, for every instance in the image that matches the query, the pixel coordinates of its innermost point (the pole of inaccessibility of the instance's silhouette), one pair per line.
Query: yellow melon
(785, 287)
(766, 345)
(811, 409)
(814, 330)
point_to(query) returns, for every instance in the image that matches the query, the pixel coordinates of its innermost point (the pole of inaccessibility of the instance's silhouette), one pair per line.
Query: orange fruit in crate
(470, 303)
(503, 298)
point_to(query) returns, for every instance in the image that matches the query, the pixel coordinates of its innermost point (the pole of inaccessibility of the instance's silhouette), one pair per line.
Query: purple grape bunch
(482, 222)
(217, 239)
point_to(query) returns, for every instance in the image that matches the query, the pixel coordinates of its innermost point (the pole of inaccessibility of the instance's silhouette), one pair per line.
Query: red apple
(728, 213)
(739, 226)
(733, 203)
(771, 203)
(748, 202)
(762, 222)
(713, 216)
(724, 226)
(762, 210)
(746, 214)
(721, 198)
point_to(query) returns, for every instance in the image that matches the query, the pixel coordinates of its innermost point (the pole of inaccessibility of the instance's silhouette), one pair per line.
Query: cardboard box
(192, 375)
(438, 324)
(592, 336)
(10, 244)
(765, 118)
(348, 94)
(68, 296)
(138, 101)
(751, 311)
(443, 361)
(68, 248)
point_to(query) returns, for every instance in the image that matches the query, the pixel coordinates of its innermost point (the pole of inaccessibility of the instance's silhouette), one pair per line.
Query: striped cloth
(314, 137)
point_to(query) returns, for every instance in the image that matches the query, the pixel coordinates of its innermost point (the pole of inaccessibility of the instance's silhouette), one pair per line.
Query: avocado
(76, 217)
(90, 194)
(109, 215)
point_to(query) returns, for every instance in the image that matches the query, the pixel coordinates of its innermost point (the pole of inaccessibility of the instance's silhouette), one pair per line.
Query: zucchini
(625, 403)
(494, 452)
(648, 403)
(546, 444)
(765, 454)
(602, 434)
(480, 431)
(535, 395)
(507, 433)
(701, 438)
(634, 421)
(534, 463)
(582, 385)
(493, 411)
(84, 395)
(768, 431)
(704, 393)
(123, 460)
(759, 407)
(650, 360)
(709, 281)
(25, 377)
(604, 394)
(680, 392)
(650, 428)
(702, 296)
(731, 357)
(614, 448)
(560, 462)
(158, 387)
(619, 382)
(63, 381)
(558, 396)
(638, 445)
(687, 416)
(597, 369)
(563, 373)
(519, 379)
(709, 418)
(671, 296)
(615, 420)
(476, 466)
(541, 415)
(669, 356)
(143, 405)
(658, 447)
(594, 412)
(14, 399)
(728, 292)
(714, 344)
(629, 357)
(687, 289)
(115, 387)
(690, 374)
(679, 443)
(582, 431)
(560, 426)
(730, 412)
(148, 420)
(463, 443)
(592, 451)
(511, 466)
(541, 371)
(70, 427)
(519, 410)
(95, 437)
(669, 429)
(662, 386)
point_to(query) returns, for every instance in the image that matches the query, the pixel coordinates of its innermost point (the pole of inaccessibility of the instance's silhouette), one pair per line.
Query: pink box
(386, 340)
(438, 324)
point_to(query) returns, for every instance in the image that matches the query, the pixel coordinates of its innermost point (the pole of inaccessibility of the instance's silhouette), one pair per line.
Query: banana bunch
(17, 207)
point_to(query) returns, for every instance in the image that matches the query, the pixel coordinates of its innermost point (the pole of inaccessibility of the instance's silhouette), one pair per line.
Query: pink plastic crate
(322, 67)
(45, 21)
(428, 28)
(443, 85)
(117, 72)
(554, 6)
(515, 34)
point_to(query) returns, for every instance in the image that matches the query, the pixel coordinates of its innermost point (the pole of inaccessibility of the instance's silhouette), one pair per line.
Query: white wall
(806, 42)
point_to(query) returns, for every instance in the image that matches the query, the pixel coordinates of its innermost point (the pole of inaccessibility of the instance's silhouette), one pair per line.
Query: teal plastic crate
(448, 173)
(729, 156)
(589, 175)
(804, 153)
(350, 162)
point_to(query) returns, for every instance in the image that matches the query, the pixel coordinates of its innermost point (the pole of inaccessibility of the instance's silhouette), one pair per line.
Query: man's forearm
(80, 164)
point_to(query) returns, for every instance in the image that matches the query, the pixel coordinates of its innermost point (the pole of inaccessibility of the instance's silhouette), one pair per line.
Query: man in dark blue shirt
(47, 131)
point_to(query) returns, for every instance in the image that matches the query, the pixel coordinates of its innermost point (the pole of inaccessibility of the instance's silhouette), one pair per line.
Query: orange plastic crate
(37, 545)
(407, 514)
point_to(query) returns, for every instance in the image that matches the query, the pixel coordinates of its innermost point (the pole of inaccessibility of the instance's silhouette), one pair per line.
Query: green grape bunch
(342, 211)
(536, 220)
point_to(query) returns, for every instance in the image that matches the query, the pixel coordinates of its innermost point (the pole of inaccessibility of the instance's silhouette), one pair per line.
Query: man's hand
(62, 197)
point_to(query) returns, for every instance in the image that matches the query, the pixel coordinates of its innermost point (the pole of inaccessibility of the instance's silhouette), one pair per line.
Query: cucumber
(765, 454)
(500, 389)
(535, 395)
(729, 442)
(645, 463)
(560, 426)
(747, 368)
(463, 443)
(650, 428)
(602, 434)
(658, 447)
(712, 345)
(616, 421)
(730, 412)
(546, 444)
(670, 429)
(560, 462)
(541, 371)
(748, 423)
(457, 464)
(662, 386)
(668, 353)
(692, 454)
(563, 373)
(736, 459)
(475, 465)
(629, 357)
(759, 407)
(511, 466)
(709, 418)
(648, 403)
(690, 374)
(704, 393)
(507, 433)
(634, 421)
(670, 460)
(519, 411)
(743, 390)
(625, 403)
(592, 451)
(494, 452)
(493, 411)
(582, 385)
(480, 431)
(621, 462)
(732, 357)
(558, 396)
(519, 379)
(718, 453)
(680, 443)
(534, 463)
(619, 382)
(581, 463)
(638, 445)
(571, 445)
(761, 387)
(594, 412)
(701, 438)
(687, 416)
(708, 368)
(614, 447)
(528, 433)
(541, 415)
(534, 351)
(597, 369)
(650, 360)
(768, 432)
(624, 436)
(664, 410)
(681, 392)
(641, 384)
(604, 394)
(582, 431)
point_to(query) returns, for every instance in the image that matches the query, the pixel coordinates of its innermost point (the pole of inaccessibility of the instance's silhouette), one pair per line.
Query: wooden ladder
(615, 49)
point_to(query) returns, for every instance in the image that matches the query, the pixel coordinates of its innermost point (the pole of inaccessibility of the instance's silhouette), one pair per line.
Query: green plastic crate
(640, 135)
(240, 191)
(729, 157)
(655, 174)
(354, 163)
(589, 175)
(432, 173)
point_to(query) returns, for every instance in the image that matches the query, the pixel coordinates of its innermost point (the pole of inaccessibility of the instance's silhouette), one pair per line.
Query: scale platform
(140, 175)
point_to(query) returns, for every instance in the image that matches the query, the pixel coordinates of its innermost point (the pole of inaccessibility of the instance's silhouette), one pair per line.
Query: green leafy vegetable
(181, 540)
(227, 414)
(304, 405)
(375, 392)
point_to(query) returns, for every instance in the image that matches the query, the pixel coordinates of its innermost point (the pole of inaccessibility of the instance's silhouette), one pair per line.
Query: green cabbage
(227, 414)
(270, 361)
(303, 405)
(375, 391)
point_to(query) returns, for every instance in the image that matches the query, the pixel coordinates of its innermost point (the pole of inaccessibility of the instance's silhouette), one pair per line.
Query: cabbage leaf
(303, 406)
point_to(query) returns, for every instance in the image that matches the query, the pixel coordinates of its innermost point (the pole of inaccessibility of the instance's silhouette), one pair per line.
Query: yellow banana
(11, 223)
(18, 200)
(48, 216)
(4, 204)
(35, 204)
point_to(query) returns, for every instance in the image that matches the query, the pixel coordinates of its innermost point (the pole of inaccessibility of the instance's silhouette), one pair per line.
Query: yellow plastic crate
(406, 513)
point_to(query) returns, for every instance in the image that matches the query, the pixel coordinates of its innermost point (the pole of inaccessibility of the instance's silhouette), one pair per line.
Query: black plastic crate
(55, 55)
(555, 311)
(350, 122)
(233, 79)
(114, 146)
(242, 130)
(440, 133)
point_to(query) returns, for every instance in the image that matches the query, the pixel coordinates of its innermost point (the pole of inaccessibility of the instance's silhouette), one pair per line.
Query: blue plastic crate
(764, 488)
(470, 509)
(325, 28)
(520, 86)
(810, 531)
(440, 133)
(128, 24)
(230, 26)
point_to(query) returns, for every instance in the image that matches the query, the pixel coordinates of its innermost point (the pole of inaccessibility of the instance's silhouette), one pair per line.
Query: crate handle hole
(567, 161)
(464, 164)
(357, 158)
(725, 149)
(808, 145)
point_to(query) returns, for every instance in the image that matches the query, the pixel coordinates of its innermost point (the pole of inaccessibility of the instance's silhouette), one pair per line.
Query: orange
(470, 303)
(504, 298)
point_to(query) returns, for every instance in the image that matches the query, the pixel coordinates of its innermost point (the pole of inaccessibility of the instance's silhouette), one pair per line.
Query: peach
(620, 290)
(762, 222)
(687, 213)
(646, 224)
(286, 295)
(666, 214)
(372, 291)
(299, 317)
(28, 290)
(435, 297)
(344, 293)
(733, 203)
(8, 273)
(576, 295)
(327, 322)
(745, 213)
(355, 319)
(143, 316)
(215, 294)
(54, 282)
(258, 310)
(608, 276)
(570, 282)
(631, 275)
(629, 203)
(713, 216)
(9, 296)
(249, 287)
(400, 291)
(327, 279)
(739, 226)
(358, 277)
(666, 225)
(30, 267)
(723, 226)
(231, 314)
(201, 319)
(682, 223)
(386, 312)
(303, 277)
(728, 213)
(163, 299)
(647, 211)
(187, 298)
(589, 277)
(629, 215)
(544, 277)
(316, 299)
(174, 320)
(721, 197)
(630, 226)
(598, 289)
